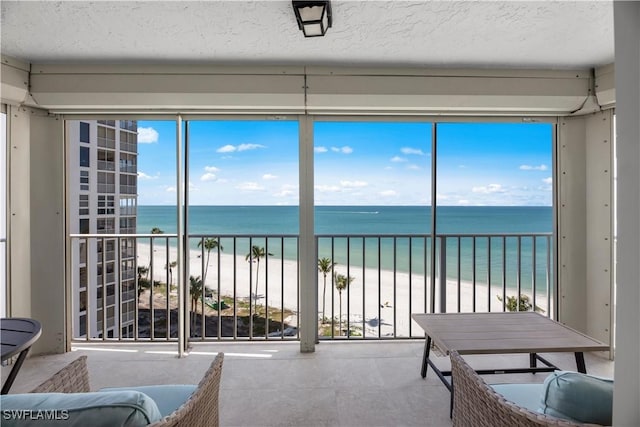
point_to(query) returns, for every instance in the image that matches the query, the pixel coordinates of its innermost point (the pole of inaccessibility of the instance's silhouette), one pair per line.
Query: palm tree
(209, 245)
(171, 266)
(154, 230)
(195, 290)
(143, 270)
(325, 266)
(341, 282)
(143, 281)
(254, 256)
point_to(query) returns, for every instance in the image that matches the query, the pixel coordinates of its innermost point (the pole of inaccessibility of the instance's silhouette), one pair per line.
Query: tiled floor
(273, 384)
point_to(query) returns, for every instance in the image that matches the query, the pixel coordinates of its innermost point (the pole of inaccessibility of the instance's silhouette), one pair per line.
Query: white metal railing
(371, 287)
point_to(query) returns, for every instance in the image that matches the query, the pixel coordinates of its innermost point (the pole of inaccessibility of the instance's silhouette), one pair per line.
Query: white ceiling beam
(330, 90)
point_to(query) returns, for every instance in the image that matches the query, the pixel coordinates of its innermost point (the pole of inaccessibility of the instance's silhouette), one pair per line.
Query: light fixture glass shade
(311, 13)
(314, 17)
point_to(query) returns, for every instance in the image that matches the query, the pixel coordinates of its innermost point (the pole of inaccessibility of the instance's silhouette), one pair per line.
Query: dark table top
(17, 334)
(496, 333)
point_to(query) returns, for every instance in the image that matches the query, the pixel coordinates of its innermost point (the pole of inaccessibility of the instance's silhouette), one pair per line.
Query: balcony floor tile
(273, 384)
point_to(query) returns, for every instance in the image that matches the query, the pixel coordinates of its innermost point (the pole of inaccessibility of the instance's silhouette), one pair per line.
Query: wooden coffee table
(502, 333)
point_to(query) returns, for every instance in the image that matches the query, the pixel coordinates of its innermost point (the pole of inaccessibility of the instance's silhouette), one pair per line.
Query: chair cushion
(126, 408)
(167, 397)
(578, 397)
(523, 395)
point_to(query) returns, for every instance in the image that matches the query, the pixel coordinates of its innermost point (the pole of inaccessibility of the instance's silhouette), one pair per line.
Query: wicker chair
(201, 409)
(476, 404)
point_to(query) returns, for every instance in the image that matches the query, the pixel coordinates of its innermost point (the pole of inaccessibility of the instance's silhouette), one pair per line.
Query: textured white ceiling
(512, 34)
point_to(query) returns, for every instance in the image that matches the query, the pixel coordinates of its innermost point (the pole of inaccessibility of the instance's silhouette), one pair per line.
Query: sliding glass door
(190, 228)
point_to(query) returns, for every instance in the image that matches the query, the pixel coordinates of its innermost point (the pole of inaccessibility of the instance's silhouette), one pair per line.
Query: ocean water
(351, 219)
(385, 237)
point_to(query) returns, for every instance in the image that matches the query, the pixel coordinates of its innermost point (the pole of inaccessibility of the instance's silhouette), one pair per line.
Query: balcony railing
(370, 285)
(131, 147)
(128, 168)
(106, 188)
(106, 142)
(127, 189)
(105, 165)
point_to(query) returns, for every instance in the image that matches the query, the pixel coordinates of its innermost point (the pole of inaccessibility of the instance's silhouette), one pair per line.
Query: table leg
(14, 371)
(533, 360)
(582, 368)
(425, 357)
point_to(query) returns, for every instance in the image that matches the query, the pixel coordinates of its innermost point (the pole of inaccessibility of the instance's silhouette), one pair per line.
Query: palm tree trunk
(340, 318)
(257, 276)
(193, 317)
(324, 293)
(206, 268)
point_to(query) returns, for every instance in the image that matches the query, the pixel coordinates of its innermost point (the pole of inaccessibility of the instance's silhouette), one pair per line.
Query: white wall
(626, 407)
(36, 223)
(585, 231)
(3, 214)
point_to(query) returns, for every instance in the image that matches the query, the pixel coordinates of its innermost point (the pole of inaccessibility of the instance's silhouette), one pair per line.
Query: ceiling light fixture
(314, 17)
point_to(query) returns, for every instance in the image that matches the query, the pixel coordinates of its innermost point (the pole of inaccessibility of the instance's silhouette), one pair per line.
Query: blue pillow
(126, 408)
(578, 397)
(167, 397)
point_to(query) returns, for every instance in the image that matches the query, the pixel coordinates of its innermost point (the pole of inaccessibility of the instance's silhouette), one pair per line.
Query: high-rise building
(102, 159)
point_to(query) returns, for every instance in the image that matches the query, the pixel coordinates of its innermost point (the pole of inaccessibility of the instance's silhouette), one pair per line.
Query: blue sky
(363, 163)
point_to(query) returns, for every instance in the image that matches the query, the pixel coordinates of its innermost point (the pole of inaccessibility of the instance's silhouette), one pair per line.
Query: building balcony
(107, 143)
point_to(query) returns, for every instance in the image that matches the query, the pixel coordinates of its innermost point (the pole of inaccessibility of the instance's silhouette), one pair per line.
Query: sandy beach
(371, 314)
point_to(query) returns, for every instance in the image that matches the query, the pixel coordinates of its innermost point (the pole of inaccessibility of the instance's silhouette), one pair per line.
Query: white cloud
(210, 174)
(242, 147)
(245, 147)
(353, 184)
(250, 186)
(142, 175)
(548, 181)
(388, 193)
(147, 135)
(413, 167)
(226, 149)
(320, 149)
(489, 189)
(283, 193)
(409, 150)
(463, 202)
(398, 159)
(286, 190)
(268, 176)
(533, 168)
(208, 177)
(327, 188)
(344, 150)
(172, 189)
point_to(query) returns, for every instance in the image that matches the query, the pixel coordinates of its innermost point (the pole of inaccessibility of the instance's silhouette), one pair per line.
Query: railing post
(442, 268)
